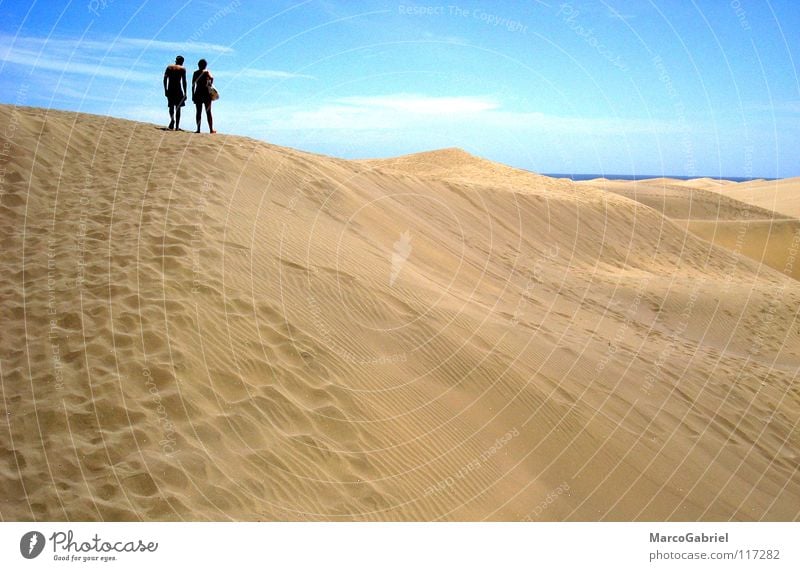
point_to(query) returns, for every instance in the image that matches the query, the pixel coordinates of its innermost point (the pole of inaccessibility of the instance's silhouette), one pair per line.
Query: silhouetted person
(175, 91)
(201, 95)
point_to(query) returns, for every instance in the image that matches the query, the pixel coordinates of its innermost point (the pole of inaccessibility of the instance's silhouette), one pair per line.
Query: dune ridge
(214, 328)
(747, 219)
(780, 195)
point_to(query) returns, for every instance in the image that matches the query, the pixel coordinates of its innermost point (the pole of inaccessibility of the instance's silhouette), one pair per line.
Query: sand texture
(204, 327)
(780, 195)
(754, 225)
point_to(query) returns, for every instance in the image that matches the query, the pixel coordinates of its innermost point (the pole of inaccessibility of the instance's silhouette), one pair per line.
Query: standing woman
(201, 95)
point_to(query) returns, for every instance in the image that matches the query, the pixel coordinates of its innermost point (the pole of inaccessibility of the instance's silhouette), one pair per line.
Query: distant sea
(646, 176)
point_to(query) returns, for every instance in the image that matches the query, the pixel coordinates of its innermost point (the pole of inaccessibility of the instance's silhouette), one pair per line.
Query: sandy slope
(201, 327)
(780, 195)
(706, 207)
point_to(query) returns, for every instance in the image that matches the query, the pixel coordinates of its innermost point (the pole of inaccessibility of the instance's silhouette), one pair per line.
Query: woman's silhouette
(201, 95)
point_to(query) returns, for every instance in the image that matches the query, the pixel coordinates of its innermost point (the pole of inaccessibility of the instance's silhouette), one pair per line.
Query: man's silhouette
(175, 91)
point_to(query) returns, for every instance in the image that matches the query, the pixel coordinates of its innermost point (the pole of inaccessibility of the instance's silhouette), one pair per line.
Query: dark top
(175, 76)
(200, 82)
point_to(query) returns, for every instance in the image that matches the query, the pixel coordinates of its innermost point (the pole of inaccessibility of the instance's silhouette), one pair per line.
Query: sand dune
(685, 200)
(456, 165)
(775, 243)
(212, 328)
(782, 196)
(742, 226)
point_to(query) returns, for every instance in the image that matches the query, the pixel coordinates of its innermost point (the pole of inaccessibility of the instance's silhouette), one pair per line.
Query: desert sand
(207, 327)
(783, 196)
(749, 219)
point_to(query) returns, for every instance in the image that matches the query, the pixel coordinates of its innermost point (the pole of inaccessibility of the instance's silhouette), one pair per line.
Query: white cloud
(420, 104)
(613, 13)
(250, 73)
(778, 107)
(159, 45)
(118, 59)
(330, 116)
(71, 46)
(35, 60)
(382, 112)
(417, 112)
(429, 36)
(588, 126)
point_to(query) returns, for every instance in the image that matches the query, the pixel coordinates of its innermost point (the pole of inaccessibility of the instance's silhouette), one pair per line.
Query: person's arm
(183, 80)
(166, 78)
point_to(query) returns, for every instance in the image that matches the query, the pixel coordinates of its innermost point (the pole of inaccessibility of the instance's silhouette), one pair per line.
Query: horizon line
(571, 176)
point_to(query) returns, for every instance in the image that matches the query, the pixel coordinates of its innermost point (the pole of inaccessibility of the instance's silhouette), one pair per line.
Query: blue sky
(703, 87)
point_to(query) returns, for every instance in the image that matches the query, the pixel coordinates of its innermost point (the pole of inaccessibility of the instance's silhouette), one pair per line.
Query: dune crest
(213, 328)
(752, 225)
(780, 195)
(457, 165)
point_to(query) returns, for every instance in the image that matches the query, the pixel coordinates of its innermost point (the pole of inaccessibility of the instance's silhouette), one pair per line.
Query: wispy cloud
(159, 45)
(778, 107)
(583, 126)
(118, 58)
(615, 14)
(429, 36)
(111, 45)
(75, 90)
(250, 73)
(41, 61)
(424, 105)
(396, 112)
(382, 112)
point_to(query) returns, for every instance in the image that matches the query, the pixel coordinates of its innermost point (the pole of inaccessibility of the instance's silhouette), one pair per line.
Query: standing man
(175, 91)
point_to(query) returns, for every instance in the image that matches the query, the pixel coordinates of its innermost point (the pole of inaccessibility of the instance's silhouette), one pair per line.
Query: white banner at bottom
(400, 546)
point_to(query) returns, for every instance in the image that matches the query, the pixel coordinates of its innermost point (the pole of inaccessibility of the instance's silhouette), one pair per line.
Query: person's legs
(210, 118)
(177, 117)
(199, 107)
(171, 117)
